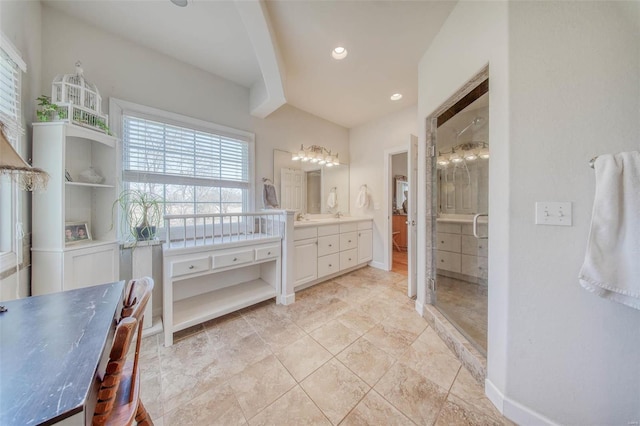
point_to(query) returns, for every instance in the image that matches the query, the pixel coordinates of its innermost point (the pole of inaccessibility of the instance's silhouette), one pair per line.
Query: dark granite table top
(51, 347)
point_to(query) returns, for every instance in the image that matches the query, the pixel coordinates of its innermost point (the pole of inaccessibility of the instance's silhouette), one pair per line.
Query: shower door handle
(475, 226)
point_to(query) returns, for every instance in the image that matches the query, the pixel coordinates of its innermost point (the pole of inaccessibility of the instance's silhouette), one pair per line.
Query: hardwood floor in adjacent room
(400, 262)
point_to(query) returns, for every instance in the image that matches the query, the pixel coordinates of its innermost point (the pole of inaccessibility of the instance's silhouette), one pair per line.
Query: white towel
(611, 266)
(332, 200)
(362, 202)
(269, 196)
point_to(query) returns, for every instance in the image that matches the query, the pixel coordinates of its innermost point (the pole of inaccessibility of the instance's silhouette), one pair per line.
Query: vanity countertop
(304, 223)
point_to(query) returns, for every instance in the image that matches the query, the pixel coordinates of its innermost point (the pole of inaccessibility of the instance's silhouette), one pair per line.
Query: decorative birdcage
(79, 101)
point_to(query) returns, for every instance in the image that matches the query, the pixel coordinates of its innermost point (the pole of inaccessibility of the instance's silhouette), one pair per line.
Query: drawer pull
(268, 253)
(349, 259)
(442, 242)
(235, 258)
(349, 240)
(330, 265)
(479, 246)
(330, 245)
(191, 266)
(441, 260)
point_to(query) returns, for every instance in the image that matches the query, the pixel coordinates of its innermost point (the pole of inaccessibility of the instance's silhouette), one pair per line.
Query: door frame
(388, 197)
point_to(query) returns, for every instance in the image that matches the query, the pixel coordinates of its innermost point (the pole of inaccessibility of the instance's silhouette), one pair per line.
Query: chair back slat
(113, 374)
(136, 297)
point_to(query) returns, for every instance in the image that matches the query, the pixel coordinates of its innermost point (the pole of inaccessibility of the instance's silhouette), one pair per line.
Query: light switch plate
(553, 213)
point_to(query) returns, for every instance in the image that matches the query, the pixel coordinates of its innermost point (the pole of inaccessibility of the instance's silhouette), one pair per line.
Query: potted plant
(47, 110)
(141, 213)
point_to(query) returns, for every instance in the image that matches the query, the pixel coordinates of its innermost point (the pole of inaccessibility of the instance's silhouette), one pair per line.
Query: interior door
(412, 229)
(292, 189)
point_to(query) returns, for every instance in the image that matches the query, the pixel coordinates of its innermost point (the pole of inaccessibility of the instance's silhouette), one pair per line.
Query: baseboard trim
(377, 265)
(513, 410)
(420, 308)
(287, 299)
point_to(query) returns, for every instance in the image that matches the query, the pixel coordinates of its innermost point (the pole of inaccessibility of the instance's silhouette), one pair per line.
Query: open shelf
(87, 244)
(203, 307)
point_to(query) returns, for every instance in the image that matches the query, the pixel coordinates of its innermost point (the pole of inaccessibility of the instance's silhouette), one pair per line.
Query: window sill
(7, 262)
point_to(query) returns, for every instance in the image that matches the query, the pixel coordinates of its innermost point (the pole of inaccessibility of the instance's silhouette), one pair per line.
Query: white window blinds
(156, 152)
(11, 68)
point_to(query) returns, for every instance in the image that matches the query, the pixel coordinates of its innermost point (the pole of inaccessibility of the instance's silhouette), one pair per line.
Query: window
(194, 166)
(11, 68)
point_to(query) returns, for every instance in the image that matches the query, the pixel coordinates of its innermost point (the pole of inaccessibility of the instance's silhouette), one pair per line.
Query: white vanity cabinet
(329, 249)
(459, 252)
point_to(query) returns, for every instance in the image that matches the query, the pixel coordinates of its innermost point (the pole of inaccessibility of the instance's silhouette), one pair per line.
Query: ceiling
(281, 49)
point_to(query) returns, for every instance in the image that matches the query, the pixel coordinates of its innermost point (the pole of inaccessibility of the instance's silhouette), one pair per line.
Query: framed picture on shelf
(75, 232)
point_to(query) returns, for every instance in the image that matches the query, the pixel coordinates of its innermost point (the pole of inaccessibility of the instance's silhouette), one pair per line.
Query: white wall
(564, 86)
(20, 21)
(130, 72)
(367, 144)
(574, 93)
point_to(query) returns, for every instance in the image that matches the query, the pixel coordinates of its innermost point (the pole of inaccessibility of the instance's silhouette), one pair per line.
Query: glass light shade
(295, 156)
(484, 153)
(470, 155)
(443, 161)
(329, 164)
(322, 161)
(304, 159)
(455, 158)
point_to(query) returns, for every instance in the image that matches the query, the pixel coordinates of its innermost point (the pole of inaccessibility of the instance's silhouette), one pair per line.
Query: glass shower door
(461, 227)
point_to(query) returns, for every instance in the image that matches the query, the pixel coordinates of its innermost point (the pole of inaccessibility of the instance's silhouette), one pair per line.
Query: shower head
(477, 121)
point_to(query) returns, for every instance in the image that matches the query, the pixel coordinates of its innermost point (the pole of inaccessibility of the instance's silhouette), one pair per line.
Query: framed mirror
(310, 188)
(400, 194)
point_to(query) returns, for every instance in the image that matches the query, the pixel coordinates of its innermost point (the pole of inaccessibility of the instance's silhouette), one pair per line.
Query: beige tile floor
(350, 351)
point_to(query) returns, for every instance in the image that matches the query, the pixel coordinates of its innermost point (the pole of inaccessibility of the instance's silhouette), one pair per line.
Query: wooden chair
(394, 234)
(119, 395)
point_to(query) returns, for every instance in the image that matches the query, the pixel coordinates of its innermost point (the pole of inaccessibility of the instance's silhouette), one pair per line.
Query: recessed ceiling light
(396, 96)
(339, 53)
(181, 3)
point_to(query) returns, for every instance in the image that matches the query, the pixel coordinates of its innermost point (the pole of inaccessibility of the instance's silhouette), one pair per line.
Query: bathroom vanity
(329, 247)
(459, 254)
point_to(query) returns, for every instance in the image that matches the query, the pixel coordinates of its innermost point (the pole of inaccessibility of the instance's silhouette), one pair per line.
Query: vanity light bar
(316, 154)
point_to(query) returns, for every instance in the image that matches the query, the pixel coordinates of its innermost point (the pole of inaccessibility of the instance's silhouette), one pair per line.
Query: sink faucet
(338, 215)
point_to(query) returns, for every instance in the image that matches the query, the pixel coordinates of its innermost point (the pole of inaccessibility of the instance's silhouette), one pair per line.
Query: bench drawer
(267, 252)
(231, 259)
(189, 266)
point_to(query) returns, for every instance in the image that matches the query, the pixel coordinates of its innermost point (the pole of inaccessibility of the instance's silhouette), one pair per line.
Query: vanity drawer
(348, 258)
(328, 245)
(230, 259)
(267, 252)
(348, 227)
(450, 228)
(448, 261)
(448, 242)
(348, 241)
(304, 233)
(328, 230)
(474, 247)
(328, 265)
(475, 266)
(189, 266)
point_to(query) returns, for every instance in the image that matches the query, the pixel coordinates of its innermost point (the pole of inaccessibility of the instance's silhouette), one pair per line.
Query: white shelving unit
(210, 281)
(57, 266)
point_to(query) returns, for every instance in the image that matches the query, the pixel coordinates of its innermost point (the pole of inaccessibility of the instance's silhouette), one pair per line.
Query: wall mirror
(462, 165)
(310, 188)
(400, 188)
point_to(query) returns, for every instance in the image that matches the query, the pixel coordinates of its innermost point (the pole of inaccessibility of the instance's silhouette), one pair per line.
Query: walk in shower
(459, 214)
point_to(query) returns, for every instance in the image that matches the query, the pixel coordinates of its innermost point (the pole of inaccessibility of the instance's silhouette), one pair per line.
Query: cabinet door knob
(191, 266)
(330, 245)
(479, 246)
(330, 265)
(268, 253)
(235, 258)
(349, 259)
(442, 242)
(349, 240)
(441, 260)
